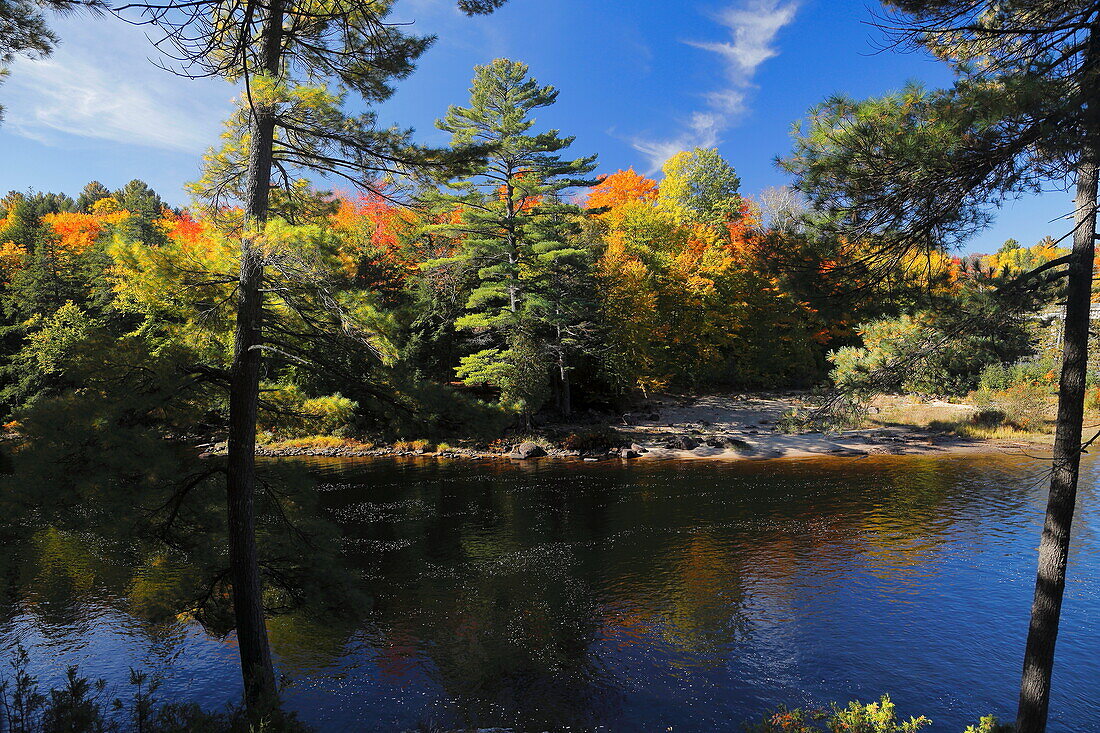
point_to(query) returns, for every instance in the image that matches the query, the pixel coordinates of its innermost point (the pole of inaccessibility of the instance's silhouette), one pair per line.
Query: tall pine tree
(513, 222)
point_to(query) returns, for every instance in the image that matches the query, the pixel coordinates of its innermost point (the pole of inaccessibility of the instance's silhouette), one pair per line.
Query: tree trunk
(1050, 582)
(566, 390)
(248, 608)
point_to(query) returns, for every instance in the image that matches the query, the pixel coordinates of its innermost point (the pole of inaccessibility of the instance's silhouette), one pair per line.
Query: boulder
(527, 450)
(741, 446)
(683, 442)
(638, 448)
(627, 453)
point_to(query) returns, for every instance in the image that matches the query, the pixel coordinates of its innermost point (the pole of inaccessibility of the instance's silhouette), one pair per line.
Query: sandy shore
(730, 427)
(744, 427)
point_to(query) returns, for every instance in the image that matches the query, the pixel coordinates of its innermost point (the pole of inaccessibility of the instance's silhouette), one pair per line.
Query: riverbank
(715, 427)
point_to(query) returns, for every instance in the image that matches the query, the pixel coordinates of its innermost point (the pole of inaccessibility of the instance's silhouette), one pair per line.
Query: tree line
(498, 275)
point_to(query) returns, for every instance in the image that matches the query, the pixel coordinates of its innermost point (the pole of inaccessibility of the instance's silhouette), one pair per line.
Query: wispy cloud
(753, 26)
(84, 91)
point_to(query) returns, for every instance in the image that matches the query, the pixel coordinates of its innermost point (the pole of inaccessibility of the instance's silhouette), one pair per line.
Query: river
(654, 596)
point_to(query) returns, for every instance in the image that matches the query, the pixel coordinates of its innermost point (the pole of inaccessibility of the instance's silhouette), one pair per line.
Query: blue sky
(638, 79)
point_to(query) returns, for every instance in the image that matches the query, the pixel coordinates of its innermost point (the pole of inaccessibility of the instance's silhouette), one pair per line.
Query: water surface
(680, 596)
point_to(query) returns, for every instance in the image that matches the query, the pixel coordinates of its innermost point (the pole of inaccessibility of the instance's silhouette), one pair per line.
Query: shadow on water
(560, 595)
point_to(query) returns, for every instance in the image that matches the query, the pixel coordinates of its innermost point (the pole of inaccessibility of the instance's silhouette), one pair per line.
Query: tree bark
(248, 608)
(1050, 581)
(566, 388)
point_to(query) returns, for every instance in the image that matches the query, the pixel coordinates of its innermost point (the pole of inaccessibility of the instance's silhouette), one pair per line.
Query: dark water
(650, 597)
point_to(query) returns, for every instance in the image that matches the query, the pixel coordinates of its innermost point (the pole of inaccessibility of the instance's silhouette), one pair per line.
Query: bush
(1092, 399)
(988, 418)
(83, 706)
(1025, 406)
(916, 354)
(875, 717)
(412, 445)
(589, 441)
(988, 724)
(1002, 376)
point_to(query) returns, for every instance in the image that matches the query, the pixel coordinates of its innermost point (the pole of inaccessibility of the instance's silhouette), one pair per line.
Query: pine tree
(92, 192)
(917, 171)
(513, 221)
(281, 51)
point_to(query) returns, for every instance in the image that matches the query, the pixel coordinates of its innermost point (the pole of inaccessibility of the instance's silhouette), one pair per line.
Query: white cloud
(753, 26)
(100, 84)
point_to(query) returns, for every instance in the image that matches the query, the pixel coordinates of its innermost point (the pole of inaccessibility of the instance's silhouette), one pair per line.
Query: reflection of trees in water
(670, 555)
(141, 530)
(510, 588)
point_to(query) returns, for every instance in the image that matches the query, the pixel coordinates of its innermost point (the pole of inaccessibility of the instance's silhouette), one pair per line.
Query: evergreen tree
(92, 192)
(916, 171)
(513, 222)
(284, 51)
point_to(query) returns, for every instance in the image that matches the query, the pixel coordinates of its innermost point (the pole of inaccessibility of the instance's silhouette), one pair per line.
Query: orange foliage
(619, 188)
(371, 248)
(12, 257)
(76, 233)
(183, 228)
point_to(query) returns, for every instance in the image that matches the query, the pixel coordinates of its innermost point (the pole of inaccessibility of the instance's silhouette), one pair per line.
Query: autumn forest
(366, 410)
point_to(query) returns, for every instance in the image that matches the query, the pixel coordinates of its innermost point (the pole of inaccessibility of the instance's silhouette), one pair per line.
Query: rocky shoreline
(717, 427)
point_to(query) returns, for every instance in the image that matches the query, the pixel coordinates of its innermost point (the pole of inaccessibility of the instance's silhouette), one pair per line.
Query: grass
(975, 431)
(319, 442)
(413, 446)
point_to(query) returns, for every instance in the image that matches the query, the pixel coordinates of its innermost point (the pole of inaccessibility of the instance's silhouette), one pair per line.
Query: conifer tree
(92, 192)
(513, 222)
(917, 171)
(283, 51)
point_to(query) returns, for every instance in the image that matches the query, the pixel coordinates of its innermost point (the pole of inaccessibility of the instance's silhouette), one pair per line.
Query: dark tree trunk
(248, 608)
(1050, 582)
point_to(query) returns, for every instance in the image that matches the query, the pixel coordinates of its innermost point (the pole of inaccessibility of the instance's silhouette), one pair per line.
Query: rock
(527, 450)
(637, 448)
(683, 442)
(715, 442)
(653, 416)
(741, 446)
(627, 453)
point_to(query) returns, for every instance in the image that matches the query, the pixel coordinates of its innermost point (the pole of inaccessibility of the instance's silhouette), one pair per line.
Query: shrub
(997, 377)
(412, 445)
(916, 354)
(988, 418)
(589, 441)
(875, 717)
(1092, 399)
(1025, 406)
(988, 724)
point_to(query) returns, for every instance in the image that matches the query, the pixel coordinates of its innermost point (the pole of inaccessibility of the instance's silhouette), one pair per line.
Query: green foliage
(286, 412)
(1024, 405)
(518, 372)
(700, 186)
(531, 294)
(922, 354)
(875, 717)
(84, 706)
(1002, 376)
(989, 724)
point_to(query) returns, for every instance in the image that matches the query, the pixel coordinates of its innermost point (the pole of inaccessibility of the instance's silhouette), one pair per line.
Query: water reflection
(547, 596)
